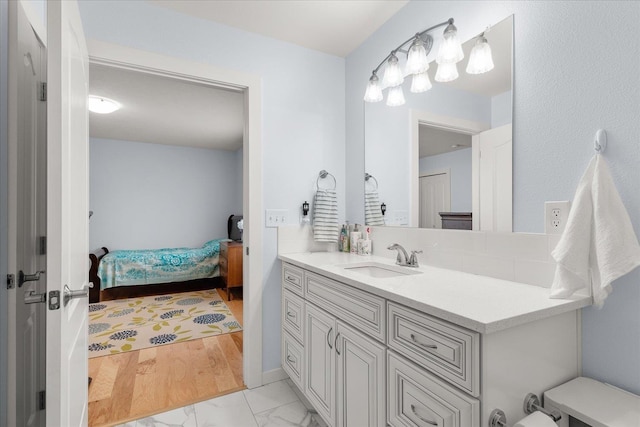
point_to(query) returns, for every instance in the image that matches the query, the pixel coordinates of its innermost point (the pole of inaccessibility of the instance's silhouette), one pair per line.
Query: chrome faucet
(403, 258)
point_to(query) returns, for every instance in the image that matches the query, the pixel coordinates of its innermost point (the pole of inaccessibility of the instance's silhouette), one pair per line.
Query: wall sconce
(383, 208)
(417, 64)
(305, 212)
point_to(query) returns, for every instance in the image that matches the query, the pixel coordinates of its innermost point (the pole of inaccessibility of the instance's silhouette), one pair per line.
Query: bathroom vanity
(373, 344)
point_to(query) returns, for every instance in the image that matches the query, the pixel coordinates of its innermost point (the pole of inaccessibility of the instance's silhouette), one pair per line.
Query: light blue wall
(148, 196)
(570, 80)
(459, 162)
(303, 116)
(4, 222)
(501, 109)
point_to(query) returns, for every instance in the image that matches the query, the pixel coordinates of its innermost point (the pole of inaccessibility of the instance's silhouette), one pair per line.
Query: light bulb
(450, 51)
(374, 92)
(395, 97)
(420, 83)
(392, 73)
(446, 72)
(100, 105)
(480, 59)
(417, 61)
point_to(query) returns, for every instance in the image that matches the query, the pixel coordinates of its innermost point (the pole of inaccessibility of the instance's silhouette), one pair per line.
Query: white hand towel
(325, 216)
(372, 212)
(598, 244)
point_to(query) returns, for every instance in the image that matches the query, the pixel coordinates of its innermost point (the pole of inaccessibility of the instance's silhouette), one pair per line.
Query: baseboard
(274, 375)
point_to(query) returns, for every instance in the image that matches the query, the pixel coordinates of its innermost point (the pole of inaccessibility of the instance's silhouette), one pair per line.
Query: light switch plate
(276, 217)
(401, 217)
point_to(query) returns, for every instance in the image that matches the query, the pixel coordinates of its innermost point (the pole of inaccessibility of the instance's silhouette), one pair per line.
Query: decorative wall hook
(600, 143)
(383, 208)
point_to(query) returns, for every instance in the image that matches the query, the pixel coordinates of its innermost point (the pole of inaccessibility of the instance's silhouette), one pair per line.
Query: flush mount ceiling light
(102, 105)
(449, 54)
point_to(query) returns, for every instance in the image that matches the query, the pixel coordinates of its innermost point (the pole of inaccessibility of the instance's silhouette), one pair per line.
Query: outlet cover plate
(556, 215)
(276, 217)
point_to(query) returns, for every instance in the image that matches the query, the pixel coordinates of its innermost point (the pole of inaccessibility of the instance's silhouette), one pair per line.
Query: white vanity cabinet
(366, 355)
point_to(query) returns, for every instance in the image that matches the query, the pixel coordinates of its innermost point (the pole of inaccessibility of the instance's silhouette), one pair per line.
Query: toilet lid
(595, 403)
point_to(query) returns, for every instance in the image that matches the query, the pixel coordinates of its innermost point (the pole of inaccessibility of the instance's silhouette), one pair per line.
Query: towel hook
(600, 143)
(322, 175)
(368, 176)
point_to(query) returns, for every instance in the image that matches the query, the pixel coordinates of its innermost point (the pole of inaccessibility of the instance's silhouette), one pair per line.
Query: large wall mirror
(444, 158)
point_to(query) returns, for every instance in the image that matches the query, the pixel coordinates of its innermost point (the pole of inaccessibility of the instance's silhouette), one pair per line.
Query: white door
(320, 362)
(30, 148)
(67, 215)
(360, 380)
(435, 197)
(494, 180)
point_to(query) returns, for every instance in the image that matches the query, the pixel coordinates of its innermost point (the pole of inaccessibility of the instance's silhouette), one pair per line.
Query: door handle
(80, 293)
(34, 298)
(22, 278)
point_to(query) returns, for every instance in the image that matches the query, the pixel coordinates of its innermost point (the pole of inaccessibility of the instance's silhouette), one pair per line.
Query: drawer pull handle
(413, 409)
(335, 343)
(427, 346)
(290, 360)
(328, 339)
(292, 279)
(290, 314)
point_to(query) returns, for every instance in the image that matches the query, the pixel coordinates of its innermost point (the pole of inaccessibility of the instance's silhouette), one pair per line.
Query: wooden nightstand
(231, 265)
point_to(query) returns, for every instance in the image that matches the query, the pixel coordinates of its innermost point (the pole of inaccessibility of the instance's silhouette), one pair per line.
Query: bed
(127, 273)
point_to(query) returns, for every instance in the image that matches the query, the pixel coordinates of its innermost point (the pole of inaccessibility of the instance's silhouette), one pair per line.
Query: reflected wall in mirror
(444, 158)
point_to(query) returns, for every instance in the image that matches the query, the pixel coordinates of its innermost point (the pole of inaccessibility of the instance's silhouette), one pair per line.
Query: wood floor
(140, 383)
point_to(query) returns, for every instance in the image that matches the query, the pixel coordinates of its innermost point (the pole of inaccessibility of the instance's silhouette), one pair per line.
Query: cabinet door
(360, 379)
(320, 361)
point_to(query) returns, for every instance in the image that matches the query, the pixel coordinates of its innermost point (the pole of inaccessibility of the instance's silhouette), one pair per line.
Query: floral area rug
(132, 324)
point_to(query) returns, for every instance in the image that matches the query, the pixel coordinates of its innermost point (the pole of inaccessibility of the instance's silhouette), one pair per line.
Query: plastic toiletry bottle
(355, 236)
(345, 238)
(343, 231)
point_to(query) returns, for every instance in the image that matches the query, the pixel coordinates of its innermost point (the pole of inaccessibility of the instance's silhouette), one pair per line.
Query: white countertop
(479, 303)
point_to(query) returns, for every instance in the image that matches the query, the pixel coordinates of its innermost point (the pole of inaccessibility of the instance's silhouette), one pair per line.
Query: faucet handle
(413, 260)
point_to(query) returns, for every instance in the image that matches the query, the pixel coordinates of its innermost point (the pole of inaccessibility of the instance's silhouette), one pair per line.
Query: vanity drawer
(417, 398)
(450, 351)
(293, 359)
(358, 308)
(292, 278)
(292, 314)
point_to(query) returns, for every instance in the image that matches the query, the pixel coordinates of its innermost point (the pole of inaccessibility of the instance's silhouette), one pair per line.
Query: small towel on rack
(598, 244)
(372, 212)
(325, 216)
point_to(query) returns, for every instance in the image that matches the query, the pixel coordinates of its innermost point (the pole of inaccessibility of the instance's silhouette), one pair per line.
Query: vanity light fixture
(102, 105)
(449, 54)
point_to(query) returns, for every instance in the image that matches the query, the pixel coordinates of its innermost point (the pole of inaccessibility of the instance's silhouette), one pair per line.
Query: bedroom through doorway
(166, 228)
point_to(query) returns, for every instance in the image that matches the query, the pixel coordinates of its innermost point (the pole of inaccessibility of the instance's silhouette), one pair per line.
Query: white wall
(149, 196)
(573, 74)
(501, 109)
(459, 162)
(303, 117)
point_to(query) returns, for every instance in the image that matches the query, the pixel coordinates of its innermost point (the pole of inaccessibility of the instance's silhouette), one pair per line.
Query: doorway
(244, 353)
(435, 197)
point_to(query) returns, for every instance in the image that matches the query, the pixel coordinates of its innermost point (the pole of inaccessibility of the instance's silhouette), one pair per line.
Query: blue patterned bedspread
(149, 266)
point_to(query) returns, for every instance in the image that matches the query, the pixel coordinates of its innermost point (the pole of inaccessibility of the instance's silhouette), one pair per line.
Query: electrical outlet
(276, 217)
(556, 215)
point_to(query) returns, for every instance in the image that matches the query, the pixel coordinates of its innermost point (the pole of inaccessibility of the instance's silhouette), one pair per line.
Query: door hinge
(43, 91)
(11, 281)
(247, 250)
(42, 400)
(42, 245)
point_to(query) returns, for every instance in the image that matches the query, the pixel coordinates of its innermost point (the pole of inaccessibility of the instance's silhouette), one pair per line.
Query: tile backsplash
(520, 257)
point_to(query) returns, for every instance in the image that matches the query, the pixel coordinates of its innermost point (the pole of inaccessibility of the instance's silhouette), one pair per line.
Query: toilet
(584, 402)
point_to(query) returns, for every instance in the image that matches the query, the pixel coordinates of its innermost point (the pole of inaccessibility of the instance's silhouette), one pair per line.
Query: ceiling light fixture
(449, 54)
(102, 105)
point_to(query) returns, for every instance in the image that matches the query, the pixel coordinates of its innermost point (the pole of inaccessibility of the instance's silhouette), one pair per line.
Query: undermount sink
(379, 270)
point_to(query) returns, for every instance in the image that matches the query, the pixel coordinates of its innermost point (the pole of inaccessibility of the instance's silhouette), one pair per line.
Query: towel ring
(368, 176)
(322, 175)
(600, 142)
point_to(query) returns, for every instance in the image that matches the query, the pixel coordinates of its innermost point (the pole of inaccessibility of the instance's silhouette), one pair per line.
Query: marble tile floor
(272, 405)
